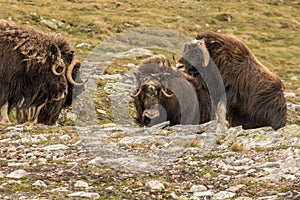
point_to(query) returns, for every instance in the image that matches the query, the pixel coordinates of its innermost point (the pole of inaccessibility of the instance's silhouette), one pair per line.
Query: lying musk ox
(163, 94)
(37, 72)
(254, 94)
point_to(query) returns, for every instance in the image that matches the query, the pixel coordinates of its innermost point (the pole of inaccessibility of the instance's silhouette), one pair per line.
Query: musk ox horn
(166, 94)
(69, 74)
(54, 71)
(137, 93)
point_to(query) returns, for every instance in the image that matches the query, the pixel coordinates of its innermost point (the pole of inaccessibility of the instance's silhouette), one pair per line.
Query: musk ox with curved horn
(254, 94)
(163, 94)
(37, 73)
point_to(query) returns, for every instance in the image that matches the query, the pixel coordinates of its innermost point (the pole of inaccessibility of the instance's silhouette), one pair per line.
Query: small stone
(173, 195)
(20, 173)
(60, 189)
(235, 188)
(224, 195)
(2, 175)
(65, 137)
(49, 24)
(198, 188)
(58, 22)
(110, 188)
(39, 183)
(90, 195)
(155, 185)
(83, 45)
(55, 147)
(243, 198)
(81, 184)
(203, 194)
(42, 161)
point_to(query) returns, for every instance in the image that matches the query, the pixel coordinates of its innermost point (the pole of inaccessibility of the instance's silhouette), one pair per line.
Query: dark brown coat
(36, 72)
(254, 94)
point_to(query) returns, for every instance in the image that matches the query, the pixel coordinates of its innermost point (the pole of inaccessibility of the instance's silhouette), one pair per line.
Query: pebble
(50, 24)
(223, 195)
(55, 147)
(83, 45)
(20, 173)
(155, 185)
(207, 193)
(65, 137)
(81, 184)
(235, 188)
(40, 184)
(110, 188)
(90, 195)
(198, 188)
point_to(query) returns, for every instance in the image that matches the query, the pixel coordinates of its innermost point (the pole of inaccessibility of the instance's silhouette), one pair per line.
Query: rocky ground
(41, 163)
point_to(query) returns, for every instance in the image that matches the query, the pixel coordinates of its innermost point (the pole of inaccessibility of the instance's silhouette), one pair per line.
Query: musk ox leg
(221, 113)
(21, 115)
(30, 114)
(4, 114)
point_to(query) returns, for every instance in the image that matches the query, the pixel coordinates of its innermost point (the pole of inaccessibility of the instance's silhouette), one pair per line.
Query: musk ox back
(163, 94)
(36, 72)
(254, 94)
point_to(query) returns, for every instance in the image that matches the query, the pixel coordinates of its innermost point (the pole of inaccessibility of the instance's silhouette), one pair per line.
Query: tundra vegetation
(55, 164)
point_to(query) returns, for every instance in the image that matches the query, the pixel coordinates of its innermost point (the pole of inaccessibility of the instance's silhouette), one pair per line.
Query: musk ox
(37, 73)
(254, 94)
(163, 94)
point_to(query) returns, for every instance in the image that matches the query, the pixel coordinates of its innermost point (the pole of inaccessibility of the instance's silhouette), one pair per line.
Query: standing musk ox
(254, 94)
(37, 72)
(163, 94)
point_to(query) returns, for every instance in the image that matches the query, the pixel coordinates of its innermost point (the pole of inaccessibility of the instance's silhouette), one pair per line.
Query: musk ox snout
(154, 115)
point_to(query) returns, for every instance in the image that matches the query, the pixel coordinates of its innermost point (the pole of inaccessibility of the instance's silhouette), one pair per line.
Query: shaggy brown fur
(26, 78)
(254, 94)
(188, 102)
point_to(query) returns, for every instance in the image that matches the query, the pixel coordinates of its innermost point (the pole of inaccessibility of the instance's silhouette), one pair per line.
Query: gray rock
(90, 195)
(223, 195)
(55, 147)
(110, 188)
(81, 184)
(134, 52)
(20, 173)
(243, 198)
(40, 183)
(83, 45)
(49, 24)
(207, 193)
(198, 188)
(235, 188)
(155, 185)
(2, 175)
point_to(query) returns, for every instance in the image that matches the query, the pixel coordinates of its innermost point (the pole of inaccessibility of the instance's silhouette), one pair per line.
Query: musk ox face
(50, 112)
(194, 58)
(149, 99)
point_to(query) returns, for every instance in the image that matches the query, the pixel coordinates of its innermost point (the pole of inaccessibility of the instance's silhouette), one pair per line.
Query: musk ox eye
(59, 69)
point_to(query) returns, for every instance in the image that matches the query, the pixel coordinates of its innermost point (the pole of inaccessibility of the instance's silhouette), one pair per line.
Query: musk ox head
(149, 99)
(152, 94)
(195, 57)
(50, 112)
